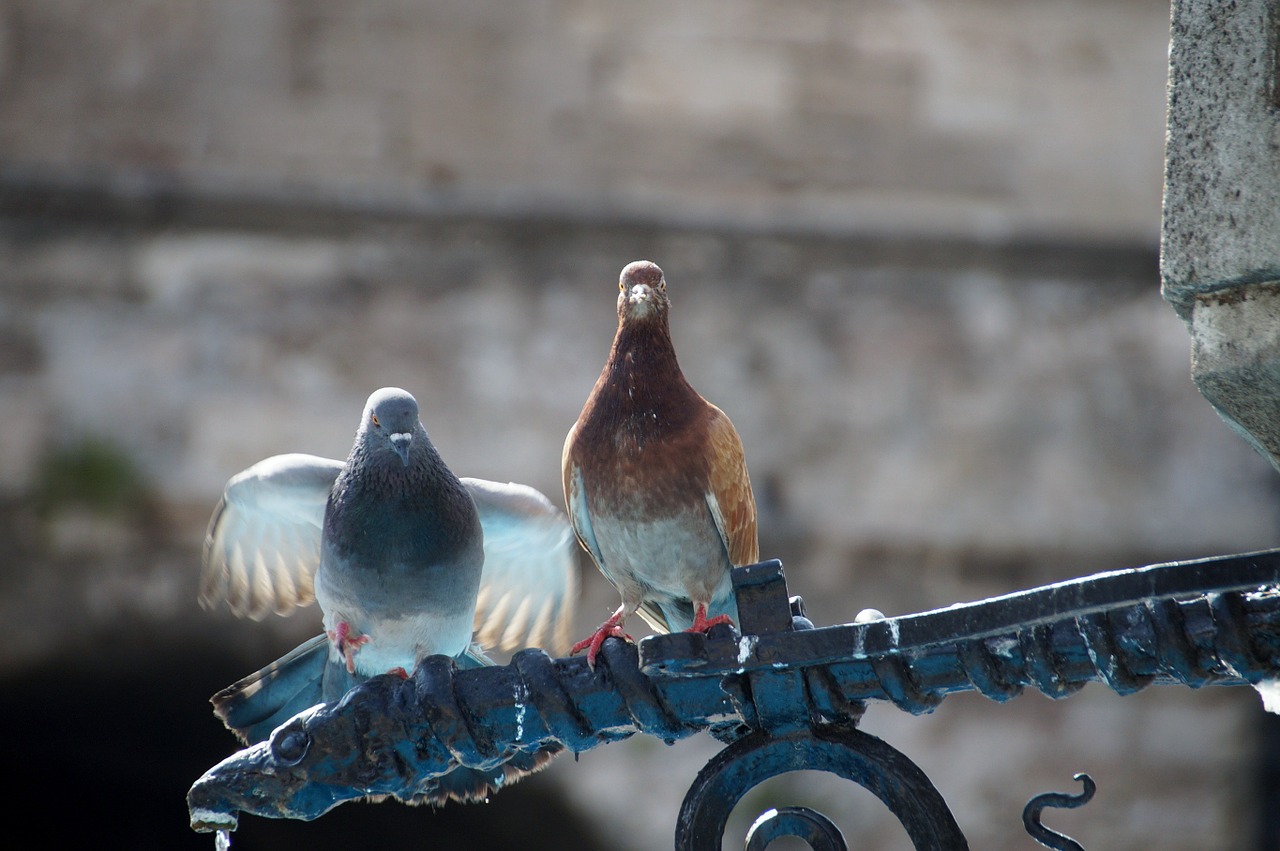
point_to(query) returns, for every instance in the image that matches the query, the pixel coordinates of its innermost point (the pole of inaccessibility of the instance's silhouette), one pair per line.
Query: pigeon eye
(373, 418)
(622, 287)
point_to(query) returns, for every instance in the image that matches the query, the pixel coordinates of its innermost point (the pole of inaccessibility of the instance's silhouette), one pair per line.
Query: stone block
(1235, 360)
(1222, 152)
(1220, 250)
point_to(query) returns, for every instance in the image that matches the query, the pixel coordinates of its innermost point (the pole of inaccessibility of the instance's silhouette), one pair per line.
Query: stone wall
(984, 118)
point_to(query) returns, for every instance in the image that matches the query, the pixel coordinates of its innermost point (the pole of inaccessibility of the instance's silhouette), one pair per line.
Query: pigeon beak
(400, 442)
(639, 293)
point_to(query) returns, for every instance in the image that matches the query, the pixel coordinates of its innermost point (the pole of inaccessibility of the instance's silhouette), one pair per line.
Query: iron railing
(781, 695)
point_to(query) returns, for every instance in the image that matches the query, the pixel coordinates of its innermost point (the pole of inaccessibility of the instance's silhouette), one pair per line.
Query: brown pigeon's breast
(637, 495)
(659, 478)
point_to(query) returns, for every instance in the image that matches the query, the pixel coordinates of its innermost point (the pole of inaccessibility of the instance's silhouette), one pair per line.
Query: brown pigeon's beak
(640, 293)
(400, 442)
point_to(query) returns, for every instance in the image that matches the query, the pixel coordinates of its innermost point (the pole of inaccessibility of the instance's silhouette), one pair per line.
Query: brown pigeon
(655, 478)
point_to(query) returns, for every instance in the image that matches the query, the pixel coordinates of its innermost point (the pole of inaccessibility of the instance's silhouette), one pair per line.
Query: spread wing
(529, 586)
(262, 546)
(733, 506)
(262, 549)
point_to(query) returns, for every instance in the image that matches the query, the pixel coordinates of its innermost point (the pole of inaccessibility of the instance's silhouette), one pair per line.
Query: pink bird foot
(612, 628)
(703, 624)
(347, 642)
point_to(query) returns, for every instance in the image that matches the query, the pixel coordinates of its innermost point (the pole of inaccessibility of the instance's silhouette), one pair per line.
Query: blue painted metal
(842, 750)
(1210, 621)
(814, 828)
(1051, 838)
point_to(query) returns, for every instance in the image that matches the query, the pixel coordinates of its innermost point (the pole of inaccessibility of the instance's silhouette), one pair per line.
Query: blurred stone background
(912, 249)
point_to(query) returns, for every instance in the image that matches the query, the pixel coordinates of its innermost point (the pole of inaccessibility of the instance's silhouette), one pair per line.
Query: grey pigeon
(405, 559)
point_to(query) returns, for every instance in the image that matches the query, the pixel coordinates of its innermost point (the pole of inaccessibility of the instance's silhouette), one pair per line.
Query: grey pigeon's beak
(400, 442)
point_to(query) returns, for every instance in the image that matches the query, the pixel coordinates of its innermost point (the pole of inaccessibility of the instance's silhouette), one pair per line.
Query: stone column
(1220, 241)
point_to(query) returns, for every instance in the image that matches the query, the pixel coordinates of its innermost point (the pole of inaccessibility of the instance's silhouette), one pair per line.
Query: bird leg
(612, 628)
(702, 624)
(347, 642)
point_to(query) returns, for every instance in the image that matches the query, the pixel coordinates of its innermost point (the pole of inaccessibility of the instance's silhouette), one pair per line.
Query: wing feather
(262, 546)
(529, 565)
(729, 494)
(262, 549)
(575, 499)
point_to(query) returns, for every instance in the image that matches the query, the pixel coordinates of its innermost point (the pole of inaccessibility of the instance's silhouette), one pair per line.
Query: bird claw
(347, 643)
(608, 629)
(703, 624)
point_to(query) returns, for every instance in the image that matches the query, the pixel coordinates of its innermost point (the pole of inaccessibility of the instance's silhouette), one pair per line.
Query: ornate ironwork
(813, 827)
(1045, 836)
(780, 693)
(843, 750)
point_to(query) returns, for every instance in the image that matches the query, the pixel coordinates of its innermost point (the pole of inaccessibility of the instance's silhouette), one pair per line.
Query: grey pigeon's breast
(397, 567)
(412, 593)
(394, 547)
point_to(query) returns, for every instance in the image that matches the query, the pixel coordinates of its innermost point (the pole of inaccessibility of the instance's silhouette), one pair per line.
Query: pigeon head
(642, 292)
(391, 420)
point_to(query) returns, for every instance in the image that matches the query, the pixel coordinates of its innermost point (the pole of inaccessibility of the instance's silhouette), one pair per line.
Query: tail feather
(675, 615)
(474, 785)
(474, 657)
(254, 706)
